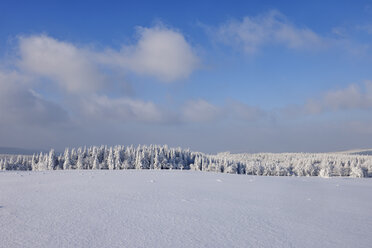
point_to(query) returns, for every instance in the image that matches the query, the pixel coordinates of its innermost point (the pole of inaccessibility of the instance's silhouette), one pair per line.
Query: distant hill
(17, 150)
(358, 152)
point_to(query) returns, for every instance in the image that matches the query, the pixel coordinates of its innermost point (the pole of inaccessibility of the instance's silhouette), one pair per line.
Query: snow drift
(162, 208)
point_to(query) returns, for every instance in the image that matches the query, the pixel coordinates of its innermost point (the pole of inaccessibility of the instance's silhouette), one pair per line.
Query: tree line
(155, 157)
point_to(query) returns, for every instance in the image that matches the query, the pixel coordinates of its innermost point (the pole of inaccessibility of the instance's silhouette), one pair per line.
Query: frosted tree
(339, 169)
(258, 169)
(128, 163)
(172, 159)
(52, 160)
(95, 163)
(40, 162)
(204, 164)
(152, 158)
(356, 171)
(181, 165)
(80, 162)
(34, 166)
(19, 161)
(138, 161)
(145, 162)
(231, 168)
(117, 155)
(67, 162)
(197, 163)
(162, 157)
(280, 170)
(325, 172)
(73, 158)
(60, 162)
(225, 165)
(368, 166)
(5, 164)
(110, 160)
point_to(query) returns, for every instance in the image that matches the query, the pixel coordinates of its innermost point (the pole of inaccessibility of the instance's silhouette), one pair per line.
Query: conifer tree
(67, 162)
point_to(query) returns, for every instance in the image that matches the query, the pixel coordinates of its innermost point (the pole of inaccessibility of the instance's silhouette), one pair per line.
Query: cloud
(270, 28)
(83, 73)
(23, 106)
(124, 110)
(160, 52)
(245, 112)
(69, 66)
(80, 72)
(350, 98)
(201, 111)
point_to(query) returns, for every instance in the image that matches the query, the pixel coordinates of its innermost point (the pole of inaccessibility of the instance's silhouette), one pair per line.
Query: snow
(162, 157)
(168, 208)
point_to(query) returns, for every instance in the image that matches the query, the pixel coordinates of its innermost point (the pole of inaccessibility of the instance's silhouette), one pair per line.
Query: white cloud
(160, 52)
(62, 62)
(245, 112)
(254, 32)
(201, 111)
(124, 110)
(23, 106)
(82, 72)
(193, 111)
(352, 97)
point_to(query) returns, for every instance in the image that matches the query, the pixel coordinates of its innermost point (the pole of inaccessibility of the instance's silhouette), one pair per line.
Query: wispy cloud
(245, 112)
(20, 104)
(201, 111)
(352, 97)
(124, 109)
(253, 33)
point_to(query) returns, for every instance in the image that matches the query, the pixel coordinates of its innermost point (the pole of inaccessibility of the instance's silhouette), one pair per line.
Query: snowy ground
(182, 209)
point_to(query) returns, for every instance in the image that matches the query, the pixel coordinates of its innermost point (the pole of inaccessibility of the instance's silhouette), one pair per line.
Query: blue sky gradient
(252, 76)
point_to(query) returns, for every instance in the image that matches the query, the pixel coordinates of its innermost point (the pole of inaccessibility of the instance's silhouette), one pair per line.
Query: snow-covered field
(134, 208)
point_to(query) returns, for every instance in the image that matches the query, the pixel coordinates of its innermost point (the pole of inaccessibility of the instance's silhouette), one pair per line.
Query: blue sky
(254, 76)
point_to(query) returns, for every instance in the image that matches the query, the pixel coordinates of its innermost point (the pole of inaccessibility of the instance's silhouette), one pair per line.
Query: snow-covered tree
(111, 160)
(52, 160)
(67, 161)
(80, 162)
(117, 155)
(5, 165)
(356, 171)
(34, 165)
(163, 157)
